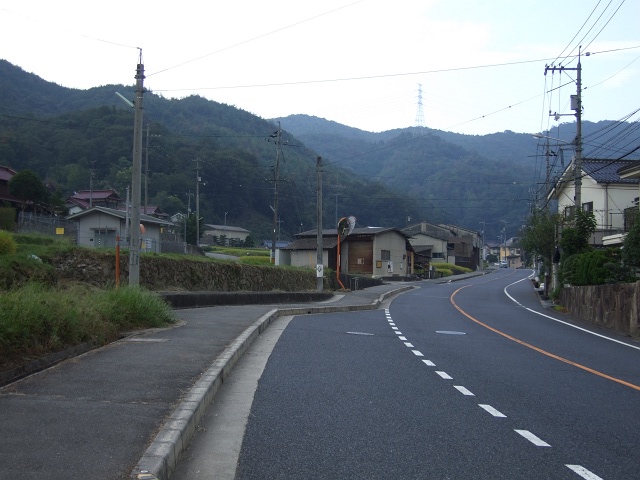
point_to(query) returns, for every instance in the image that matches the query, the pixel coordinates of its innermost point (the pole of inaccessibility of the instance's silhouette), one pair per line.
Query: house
(510, 253)
(370, 251)
(7, 174)
(445, 243)
(101, 227)
(85, 199)
(609, 187)
(231, 234)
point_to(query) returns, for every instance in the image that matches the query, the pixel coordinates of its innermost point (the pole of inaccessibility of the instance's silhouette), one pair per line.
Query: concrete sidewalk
(131, 407)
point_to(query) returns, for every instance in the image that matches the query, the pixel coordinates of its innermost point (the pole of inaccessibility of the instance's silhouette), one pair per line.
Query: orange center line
(539, 350)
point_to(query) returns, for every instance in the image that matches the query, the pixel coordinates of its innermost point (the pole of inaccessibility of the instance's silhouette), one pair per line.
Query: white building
(101, 227)
(604, 191)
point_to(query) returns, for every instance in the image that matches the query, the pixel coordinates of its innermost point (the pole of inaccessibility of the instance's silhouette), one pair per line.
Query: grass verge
(37, 320)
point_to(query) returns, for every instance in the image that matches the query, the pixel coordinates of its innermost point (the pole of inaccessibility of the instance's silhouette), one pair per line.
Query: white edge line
(562, 321)
(417, 353)
(429, 363)
(583, 472)
(444, 375)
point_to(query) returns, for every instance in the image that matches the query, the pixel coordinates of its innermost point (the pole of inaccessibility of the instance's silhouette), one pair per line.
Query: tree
(192, 229)
(27, 186)
(575, 239)
(631, 250)
(539, 236)
(249, 242)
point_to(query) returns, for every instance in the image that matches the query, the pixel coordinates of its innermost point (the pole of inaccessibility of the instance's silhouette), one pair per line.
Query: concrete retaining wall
(612, 306)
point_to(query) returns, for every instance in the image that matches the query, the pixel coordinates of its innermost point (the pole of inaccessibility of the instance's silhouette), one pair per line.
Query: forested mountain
(72, 138)
(481, 182)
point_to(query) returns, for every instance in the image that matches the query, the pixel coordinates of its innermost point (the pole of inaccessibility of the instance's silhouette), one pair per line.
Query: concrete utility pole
(134, 246)
(576, 105)
(276, 177)
(319, 263)
(146, 168)
(197, 160)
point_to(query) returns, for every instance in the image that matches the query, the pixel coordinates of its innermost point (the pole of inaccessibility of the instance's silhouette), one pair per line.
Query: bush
(596, 267)
(36, 319)
(448, 269)
(132, 307)
(7, 218)
(8, 245)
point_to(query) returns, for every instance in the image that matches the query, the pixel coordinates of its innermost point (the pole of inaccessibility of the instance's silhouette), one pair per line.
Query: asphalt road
(461, 380)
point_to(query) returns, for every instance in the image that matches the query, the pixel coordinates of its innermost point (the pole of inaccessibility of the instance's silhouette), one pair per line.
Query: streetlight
(225, 218)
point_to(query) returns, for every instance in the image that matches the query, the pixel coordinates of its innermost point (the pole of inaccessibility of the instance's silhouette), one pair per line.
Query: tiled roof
(309, 243)
(606, 171)
(6, 173)
(226, 227)
(119, 214)
(96, 194)
(329, 232)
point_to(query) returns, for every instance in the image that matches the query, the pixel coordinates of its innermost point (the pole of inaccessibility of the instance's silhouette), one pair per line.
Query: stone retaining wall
(159, 273)
(612, 306)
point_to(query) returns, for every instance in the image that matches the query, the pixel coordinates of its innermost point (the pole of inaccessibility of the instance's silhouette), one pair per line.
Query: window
(437, 255)
(385, 255)
(568, 211)
(360, 261)
(587, 207)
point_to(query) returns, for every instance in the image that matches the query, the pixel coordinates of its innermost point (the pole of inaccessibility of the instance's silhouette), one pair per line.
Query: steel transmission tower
(420, 112)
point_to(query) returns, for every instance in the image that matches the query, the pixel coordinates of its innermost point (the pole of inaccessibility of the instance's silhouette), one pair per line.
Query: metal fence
(47, 225)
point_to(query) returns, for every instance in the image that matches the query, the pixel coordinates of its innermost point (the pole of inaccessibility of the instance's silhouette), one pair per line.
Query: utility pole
(146, 171)
(134, 246)
(146, 168)
(276, 177)
(576, 105)
(91, 173)
(420, 111)
(197, 160)
(319, 263)
(189, 195)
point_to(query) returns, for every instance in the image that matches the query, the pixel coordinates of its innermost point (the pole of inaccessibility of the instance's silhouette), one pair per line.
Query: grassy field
(249, 256)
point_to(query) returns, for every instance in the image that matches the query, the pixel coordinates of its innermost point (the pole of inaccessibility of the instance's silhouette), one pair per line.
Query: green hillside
(69, 137)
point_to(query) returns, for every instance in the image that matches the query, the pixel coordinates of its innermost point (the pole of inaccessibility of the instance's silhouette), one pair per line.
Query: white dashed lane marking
(537, 441)
(583, 472)
(463, 390)
(492, 411)
(532, 438)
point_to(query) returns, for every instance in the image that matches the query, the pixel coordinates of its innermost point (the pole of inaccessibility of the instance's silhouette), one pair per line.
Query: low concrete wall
(612, 306)
(210, 299)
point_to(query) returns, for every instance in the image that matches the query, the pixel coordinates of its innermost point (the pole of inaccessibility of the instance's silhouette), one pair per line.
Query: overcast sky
(480, 64)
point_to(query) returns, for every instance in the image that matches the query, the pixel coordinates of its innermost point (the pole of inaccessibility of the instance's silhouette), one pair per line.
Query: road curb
(162, 456)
